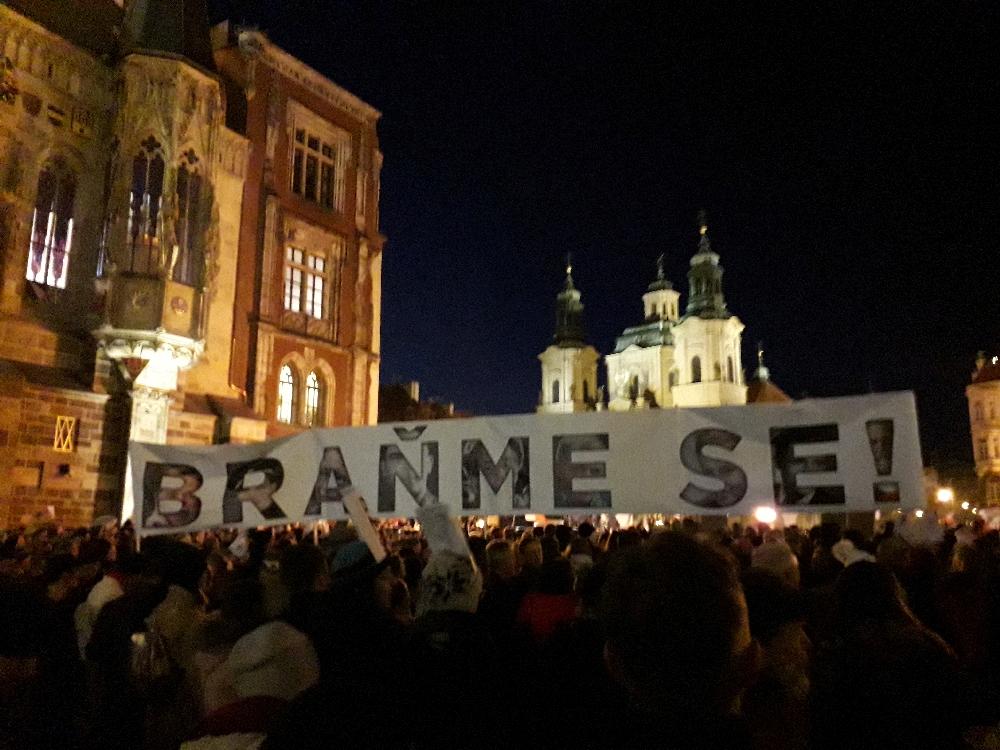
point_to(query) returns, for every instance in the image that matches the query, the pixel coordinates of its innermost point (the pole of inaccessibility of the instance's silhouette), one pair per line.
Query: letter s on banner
(733, 478)
(174, 486)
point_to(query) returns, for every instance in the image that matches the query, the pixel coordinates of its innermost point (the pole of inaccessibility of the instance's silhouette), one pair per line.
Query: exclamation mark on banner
(880, 439)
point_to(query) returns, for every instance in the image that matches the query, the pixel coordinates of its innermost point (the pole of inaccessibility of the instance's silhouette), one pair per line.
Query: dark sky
(846, 153)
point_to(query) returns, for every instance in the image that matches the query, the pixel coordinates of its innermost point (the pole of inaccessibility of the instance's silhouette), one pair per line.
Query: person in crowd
(552, 604)
(886, 681)
(776, 557)
(678, 647)
(775, 707)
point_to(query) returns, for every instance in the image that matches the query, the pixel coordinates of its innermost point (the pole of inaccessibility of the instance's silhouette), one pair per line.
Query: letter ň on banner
(733, 478)
(787, 466)
(261, 495)
(392, 465)
(564, 471)
(168, 499)
(477, 460)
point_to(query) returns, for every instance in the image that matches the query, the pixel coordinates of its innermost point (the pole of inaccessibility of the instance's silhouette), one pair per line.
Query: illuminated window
(696, 369)
(144, 208)
(286, 395)
(306, 277)
(52, 226)
(190, 225)
(314, 398)
(65, 433)
(318, 166)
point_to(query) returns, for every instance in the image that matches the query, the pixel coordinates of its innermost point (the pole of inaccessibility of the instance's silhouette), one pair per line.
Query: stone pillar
(150, 414)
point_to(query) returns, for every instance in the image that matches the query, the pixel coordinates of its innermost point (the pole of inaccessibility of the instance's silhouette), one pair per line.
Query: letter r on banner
(477, 460)
(271, 474)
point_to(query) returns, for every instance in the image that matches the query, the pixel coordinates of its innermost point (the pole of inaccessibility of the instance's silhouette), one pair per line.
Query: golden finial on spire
(569, 263)
(703, 221)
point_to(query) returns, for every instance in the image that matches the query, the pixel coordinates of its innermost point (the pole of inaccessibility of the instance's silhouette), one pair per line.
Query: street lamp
(945, 495)
(765, 514)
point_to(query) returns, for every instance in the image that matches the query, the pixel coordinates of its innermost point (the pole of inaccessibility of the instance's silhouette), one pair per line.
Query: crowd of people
(555, 636)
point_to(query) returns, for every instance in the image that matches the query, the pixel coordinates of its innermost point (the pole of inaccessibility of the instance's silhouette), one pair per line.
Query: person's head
(678, 637)
(501, 560)
(550, 548)
(179, 564)
(777, 558)
(302, 568)
(869, 591)
(585, 530)
(556, 577)
(530, 552)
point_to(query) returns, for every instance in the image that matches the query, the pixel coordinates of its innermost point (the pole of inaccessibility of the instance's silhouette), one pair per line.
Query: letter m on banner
(477, 461)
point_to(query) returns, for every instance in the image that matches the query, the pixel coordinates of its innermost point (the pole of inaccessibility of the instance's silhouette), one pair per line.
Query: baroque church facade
(189, 245)
(669, 359)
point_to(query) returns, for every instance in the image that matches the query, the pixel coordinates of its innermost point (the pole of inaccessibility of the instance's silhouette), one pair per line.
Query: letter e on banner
(733, 478)
(477, 460)
(168, 499)
(564, 470)
(787, 466)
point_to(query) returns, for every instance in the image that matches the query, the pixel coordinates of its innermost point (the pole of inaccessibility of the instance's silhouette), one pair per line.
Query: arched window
(190, 225)
(286, 395)
(586, 391)
(730, 372)
(52, 226)
(672, 378)
(978, 412)
(717, 370)
(314, 401)
(555, 391)
(144, 207)
(696, 369)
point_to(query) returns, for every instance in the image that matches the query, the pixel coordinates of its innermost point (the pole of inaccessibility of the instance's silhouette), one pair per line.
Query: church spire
(661, 281)
(569, 313)
(705, 299)
(761, 374)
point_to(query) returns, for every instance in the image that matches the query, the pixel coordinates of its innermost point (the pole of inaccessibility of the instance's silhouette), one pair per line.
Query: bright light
(659, 521)
(995, 360)
(920, 514)
(965, 506)
(765, 514)
(975, 510)
(529, 518)
(481, 523)
(945, 495)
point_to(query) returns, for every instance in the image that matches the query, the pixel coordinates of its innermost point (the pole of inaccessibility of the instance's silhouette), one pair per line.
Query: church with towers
(669, 359)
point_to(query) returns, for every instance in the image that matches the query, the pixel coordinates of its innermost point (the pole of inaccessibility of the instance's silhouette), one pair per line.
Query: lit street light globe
(945, 495)
(765, 514)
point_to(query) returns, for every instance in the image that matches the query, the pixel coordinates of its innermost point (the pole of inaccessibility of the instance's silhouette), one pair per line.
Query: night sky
(846, 155)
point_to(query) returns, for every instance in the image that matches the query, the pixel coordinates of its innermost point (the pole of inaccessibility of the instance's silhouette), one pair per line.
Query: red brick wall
(34, 475)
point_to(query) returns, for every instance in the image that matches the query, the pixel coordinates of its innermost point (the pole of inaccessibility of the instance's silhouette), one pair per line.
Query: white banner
(816, 455)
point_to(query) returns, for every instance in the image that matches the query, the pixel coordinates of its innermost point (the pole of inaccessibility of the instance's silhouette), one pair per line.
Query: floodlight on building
(765, 514)
(945, 495)
(965, 506)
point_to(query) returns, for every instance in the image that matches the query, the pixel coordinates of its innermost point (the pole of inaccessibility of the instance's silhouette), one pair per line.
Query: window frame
(306, 281)
(50, 249)
(287, 396)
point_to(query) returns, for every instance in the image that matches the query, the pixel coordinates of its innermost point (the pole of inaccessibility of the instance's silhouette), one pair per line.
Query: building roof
(89, 24)
(766, 392)
(986, 373)
(169, 28)
(654, 333)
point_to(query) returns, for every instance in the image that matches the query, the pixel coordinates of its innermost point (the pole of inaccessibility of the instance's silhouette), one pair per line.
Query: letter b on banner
(168, 499)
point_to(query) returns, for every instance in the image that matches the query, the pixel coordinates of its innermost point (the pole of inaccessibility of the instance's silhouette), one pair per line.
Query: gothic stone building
(189, 245)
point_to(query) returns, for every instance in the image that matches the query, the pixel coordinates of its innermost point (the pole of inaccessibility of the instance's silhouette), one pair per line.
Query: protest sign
(816, 455)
